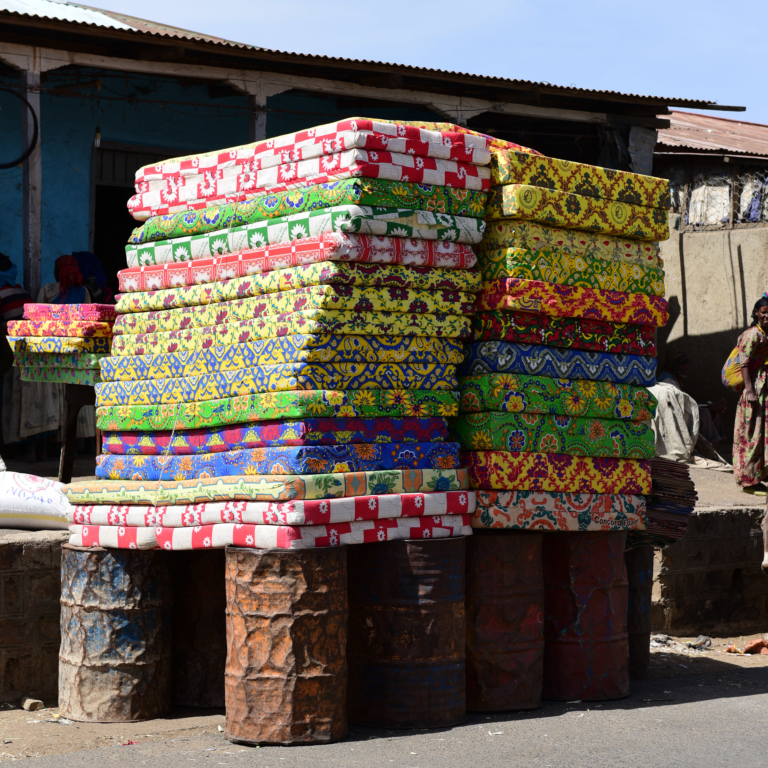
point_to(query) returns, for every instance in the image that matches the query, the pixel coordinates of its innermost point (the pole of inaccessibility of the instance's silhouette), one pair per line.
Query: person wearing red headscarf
(68, 288)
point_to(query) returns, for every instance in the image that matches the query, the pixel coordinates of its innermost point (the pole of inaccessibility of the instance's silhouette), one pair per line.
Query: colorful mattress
(61, 345)
(579, 178)
(104, 313)
(513, 294)
(542, 433)
(564, 268)
(506, 471)
(367, 192)
(331, 246)
(84, 361)
(352, 219)
(504, 357)
(286, 349)
(322, 297)
(277, 378)
(172, 195)
(563, 209)
(316, 512)
(69, 328)
(273, 433)
(442, 140)
(276, 488)
(348, 276)
(60, 375)
(270, 536)
(541, 511)
(363, 403)
(310, 322)
(565, 332)
(518, 393)
(533, 236)
(282, 460)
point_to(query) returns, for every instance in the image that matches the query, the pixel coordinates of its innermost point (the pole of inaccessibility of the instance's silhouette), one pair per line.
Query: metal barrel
(639, 561)
(505, 620)
(407, 633)
(115, 655)
(286, 675)
(199, 628)
(586, 651)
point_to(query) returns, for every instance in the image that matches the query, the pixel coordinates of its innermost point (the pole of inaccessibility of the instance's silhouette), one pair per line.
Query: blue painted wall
(137, 110)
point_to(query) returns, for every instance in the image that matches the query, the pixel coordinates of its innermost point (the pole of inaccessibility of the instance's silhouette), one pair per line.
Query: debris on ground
(733, 649)
(756, 646)
(31, 705)
(702, 643)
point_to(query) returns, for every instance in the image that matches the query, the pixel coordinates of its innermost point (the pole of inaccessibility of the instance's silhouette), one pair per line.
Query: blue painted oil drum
(586, 648)
(407, 634)
(115, 654)
(639, 562)
(505, 620)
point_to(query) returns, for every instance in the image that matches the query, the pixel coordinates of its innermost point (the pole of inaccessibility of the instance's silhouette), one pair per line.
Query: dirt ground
(32, 734)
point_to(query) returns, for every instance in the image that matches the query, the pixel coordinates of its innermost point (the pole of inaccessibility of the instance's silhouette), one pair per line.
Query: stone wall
(30, 588)
(711, 582)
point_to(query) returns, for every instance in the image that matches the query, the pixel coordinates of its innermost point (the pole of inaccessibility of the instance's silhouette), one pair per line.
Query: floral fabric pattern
(565, 332)
(352, 219)
(282, 460)
(68, 313)
(322, 297)
(349, 276)
(82, 329)
(305, 432)
(533, 236)
(85, 361)
(580, 179)
(520, 393)
(277, 378)
(311, 322)
(564, 209)
(286, 488)
(566, 269)
(552, 472)
(487, 357)
(330, 246)
(285, 349)
(571, 301)
(366, 404)
(61, 345)
(51, 375)
(369, 192)
(540, 511)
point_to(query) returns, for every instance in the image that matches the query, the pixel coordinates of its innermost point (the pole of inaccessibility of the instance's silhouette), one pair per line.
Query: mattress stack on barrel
(62, 343)
(554, 396)
(290, 324)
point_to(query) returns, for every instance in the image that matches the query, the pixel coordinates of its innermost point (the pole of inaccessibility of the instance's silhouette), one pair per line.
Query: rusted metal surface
(115, 656)
(586, 652)
(286, 673)
(714, 134)
(639, 561)
(407, 633)
(505, 621)
(199, 628)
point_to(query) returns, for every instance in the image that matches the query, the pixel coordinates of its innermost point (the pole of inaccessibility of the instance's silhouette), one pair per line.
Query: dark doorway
(112, 228)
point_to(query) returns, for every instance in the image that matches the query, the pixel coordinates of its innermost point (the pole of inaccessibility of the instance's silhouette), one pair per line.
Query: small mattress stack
(287, 341)
(62, 343)
(554, 388)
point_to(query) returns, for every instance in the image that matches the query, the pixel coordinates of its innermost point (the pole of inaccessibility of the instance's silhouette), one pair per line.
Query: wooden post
(32, 177)
(257, 118)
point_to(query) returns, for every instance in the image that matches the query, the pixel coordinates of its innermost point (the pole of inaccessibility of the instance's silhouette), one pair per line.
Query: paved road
(713, 720)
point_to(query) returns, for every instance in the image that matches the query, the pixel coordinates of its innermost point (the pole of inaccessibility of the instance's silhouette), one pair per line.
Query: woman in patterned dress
(750, 436)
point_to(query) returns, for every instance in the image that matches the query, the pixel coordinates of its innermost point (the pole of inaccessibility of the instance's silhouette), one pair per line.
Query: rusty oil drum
(407, 633)
(199, 628)
(115, 654)
(639, 561)
(586, 650)
(286, 673)
(505, 620)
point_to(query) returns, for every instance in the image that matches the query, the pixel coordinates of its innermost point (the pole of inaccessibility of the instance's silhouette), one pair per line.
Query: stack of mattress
(62, 343)
(286, 346)
(554, 399)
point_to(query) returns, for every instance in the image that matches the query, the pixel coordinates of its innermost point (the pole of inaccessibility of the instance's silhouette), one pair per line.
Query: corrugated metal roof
(51, 9)
(70, 12)
(714, 134)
